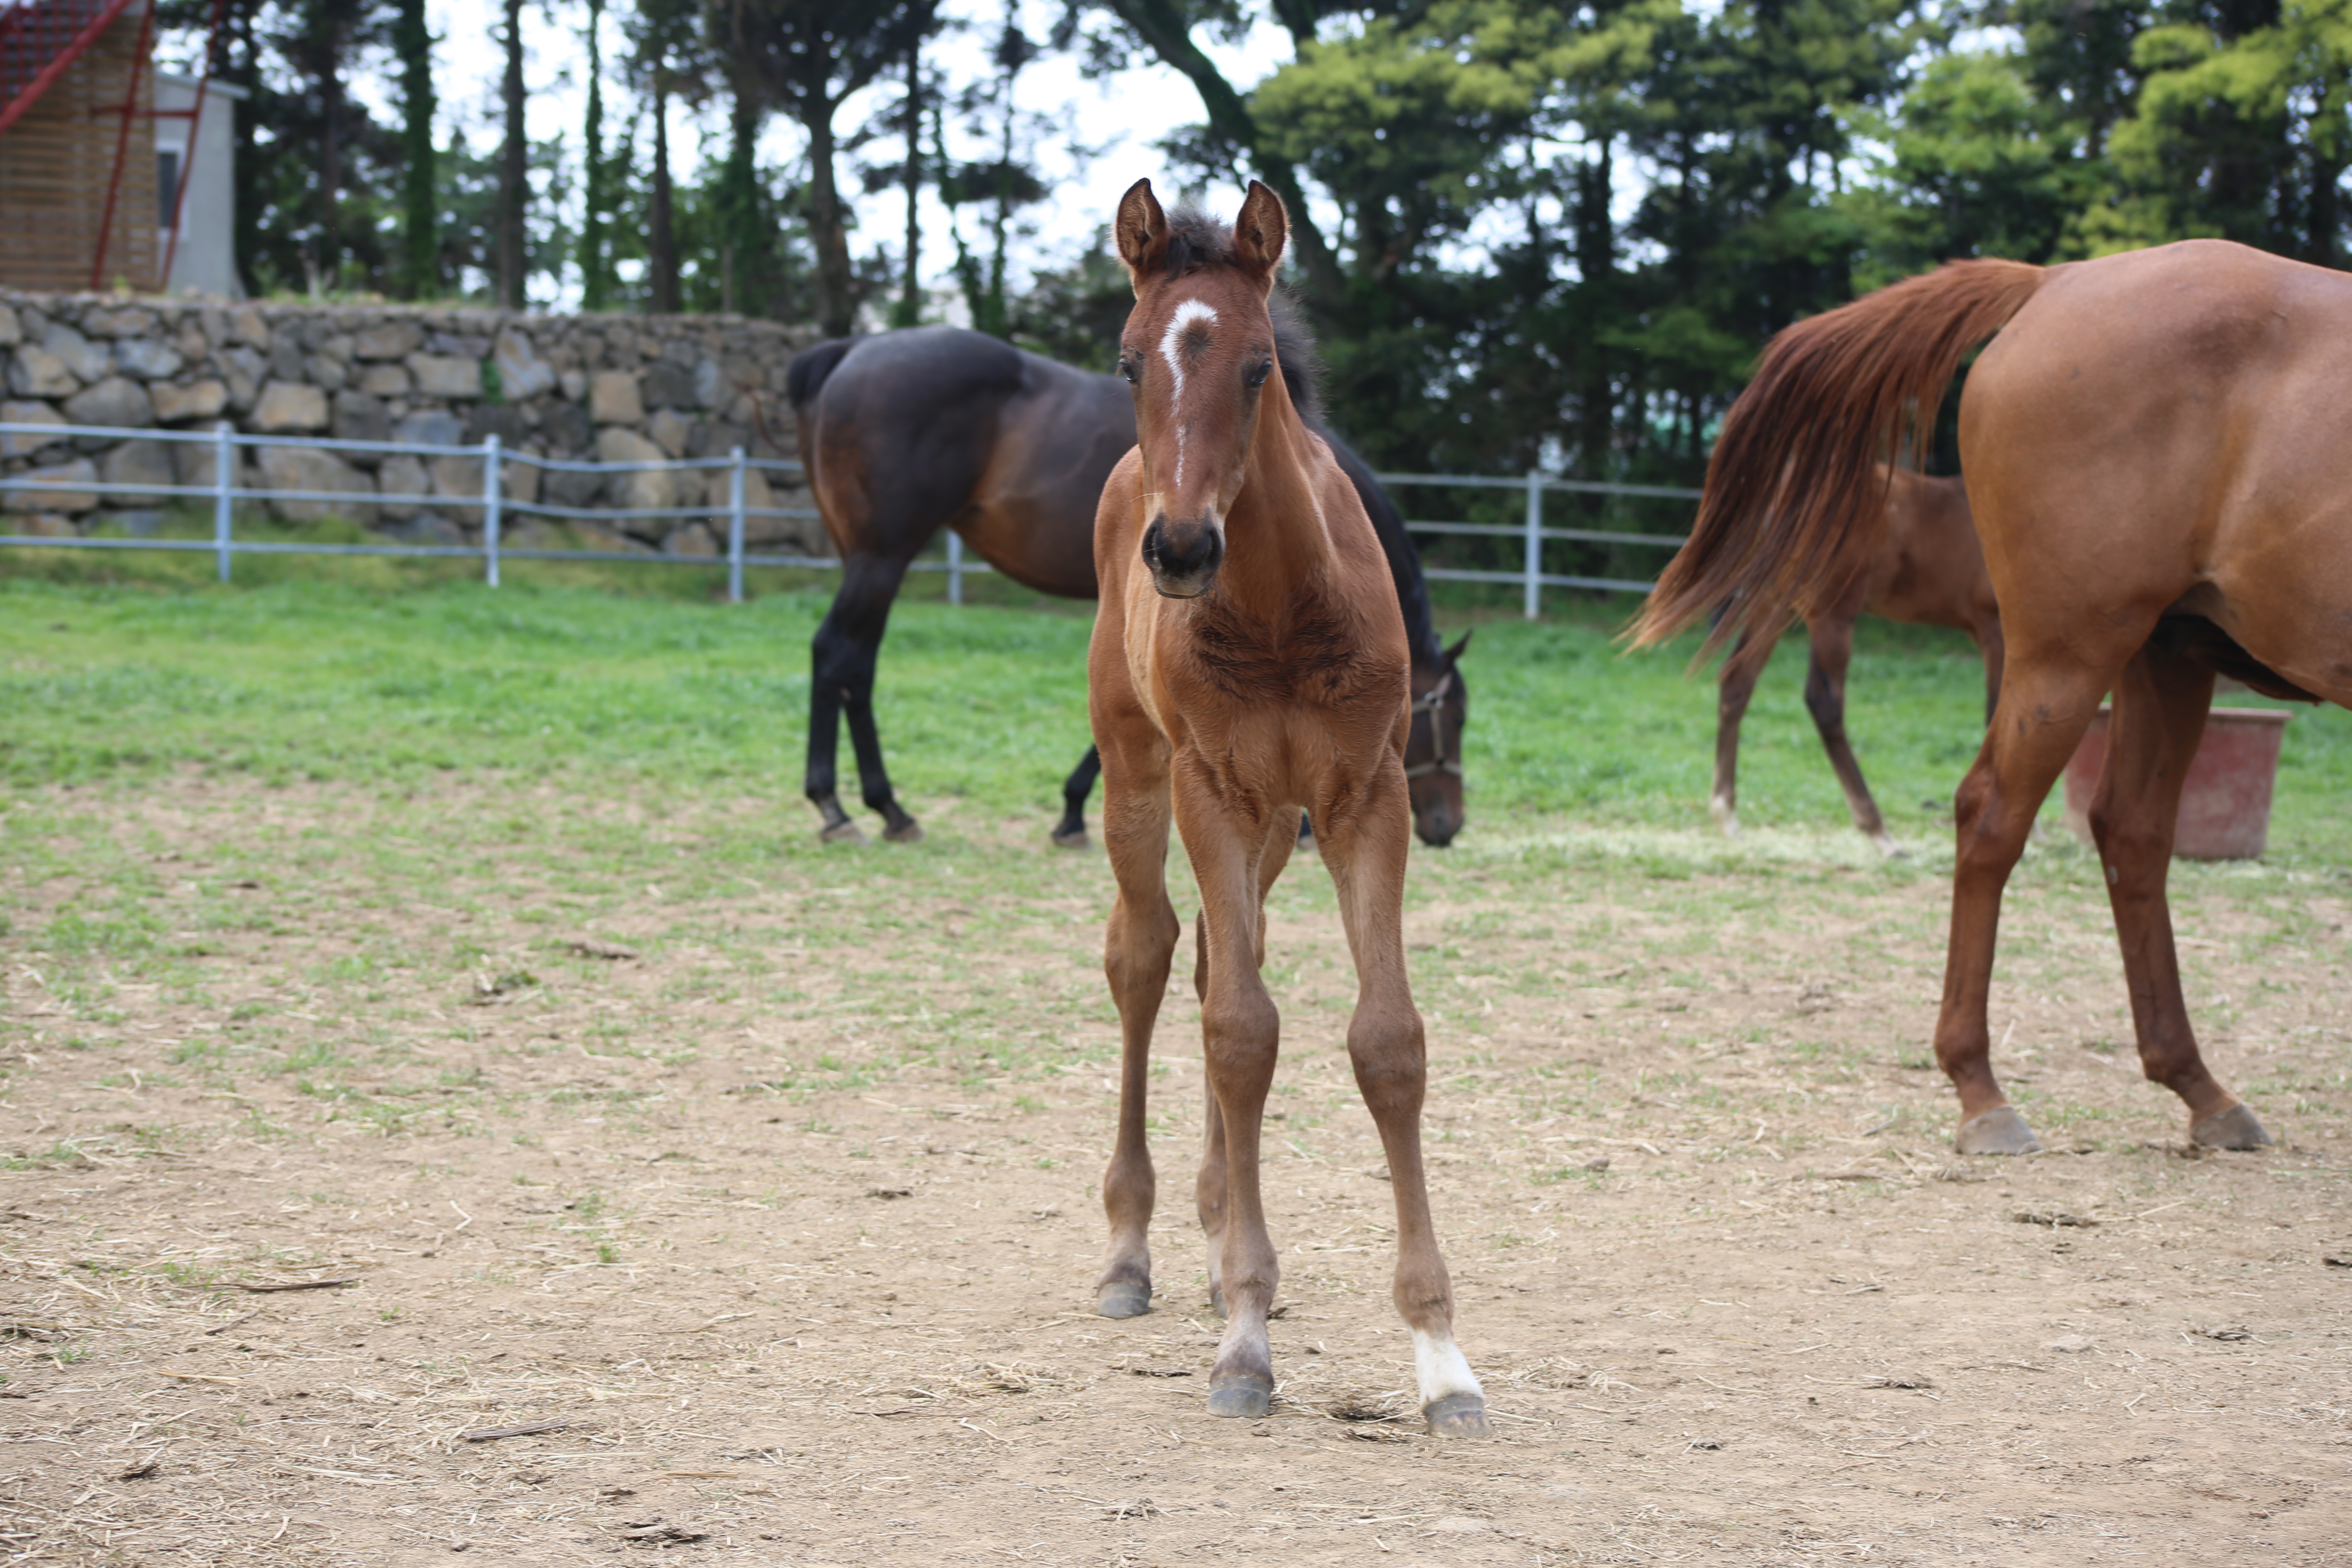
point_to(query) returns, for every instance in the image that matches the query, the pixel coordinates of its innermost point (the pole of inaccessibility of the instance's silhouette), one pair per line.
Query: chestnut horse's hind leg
(1832, 651)
(2046, 703)
(841, 661)
(1363, 842)
(1137, 949)
(1071, 832)
(1741, 670)
(2160, 716)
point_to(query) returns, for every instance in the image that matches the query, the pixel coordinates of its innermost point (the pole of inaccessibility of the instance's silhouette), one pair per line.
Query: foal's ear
(1453, 654)
(1260, 233)
(1141, 232)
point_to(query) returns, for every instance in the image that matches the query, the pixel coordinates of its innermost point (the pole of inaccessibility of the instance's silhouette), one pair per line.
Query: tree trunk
(595, 198)
(330, 156)
(909, 310)
(1596, 262)
(411, 41)
(514, 172)
(836, 313)
(661, 241)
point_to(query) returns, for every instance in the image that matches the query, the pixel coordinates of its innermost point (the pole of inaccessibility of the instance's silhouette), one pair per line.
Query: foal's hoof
(1217, 1302)
(1888, 846)
(841, 832)
(1457, 1415)
(907, 832)
(1072, 839)
(1244, 1394)
(2000, 1131)
(2235, 1128)
(1122, 1299)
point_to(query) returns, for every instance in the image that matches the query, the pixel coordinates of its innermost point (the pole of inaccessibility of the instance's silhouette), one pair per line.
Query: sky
(1115, 120)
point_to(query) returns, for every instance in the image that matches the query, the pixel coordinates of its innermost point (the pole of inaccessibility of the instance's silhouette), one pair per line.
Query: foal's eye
(1258, 372)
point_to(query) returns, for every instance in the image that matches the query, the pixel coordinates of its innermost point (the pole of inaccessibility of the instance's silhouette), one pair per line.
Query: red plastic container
(2225, 804)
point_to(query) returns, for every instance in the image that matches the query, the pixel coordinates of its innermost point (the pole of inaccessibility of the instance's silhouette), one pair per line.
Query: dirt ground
(765, 1184)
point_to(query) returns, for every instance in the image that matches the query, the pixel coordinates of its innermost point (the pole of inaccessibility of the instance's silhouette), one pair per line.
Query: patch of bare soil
(494, 1200)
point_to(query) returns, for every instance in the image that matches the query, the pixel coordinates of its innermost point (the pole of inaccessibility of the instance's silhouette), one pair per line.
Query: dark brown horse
(2156, 457)
(1249, 662)
(906, 433)
(1929, 571)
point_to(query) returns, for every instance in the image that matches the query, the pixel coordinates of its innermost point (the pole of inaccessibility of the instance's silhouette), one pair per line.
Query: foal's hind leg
(2160, 716)
(842, 662)
(1832, 651)
(1137, 949)
(1364, 845)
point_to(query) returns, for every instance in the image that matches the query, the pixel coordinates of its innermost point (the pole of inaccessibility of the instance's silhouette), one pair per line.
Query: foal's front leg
(1137, 949)
(1240, 1037)
(1209, 1189)
(1363, 841)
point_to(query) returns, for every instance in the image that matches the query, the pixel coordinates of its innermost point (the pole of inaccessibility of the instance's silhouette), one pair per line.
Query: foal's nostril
(1176, 557)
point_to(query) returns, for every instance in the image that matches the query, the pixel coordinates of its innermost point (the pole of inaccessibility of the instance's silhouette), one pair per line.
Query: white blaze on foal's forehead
(1171, 344)
(1185, 314)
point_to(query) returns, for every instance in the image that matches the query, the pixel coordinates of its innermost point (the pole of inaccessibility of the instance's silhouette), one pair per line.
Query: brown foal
(1929, 571)
(1249, 661)
(2156, 457)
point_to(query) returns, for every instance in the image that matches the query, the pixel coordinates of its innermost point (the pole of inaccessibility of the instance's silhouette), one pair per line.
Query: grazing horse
(1929, 571)
(1248, 662)
(906, 433)
(2156, 457)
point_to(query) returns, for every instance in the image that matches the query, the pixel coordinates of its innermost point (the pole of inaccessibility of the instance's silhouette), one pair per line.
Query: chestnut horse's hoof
(907, 832)
(1457, 1415)
(841, 832)
(1072, 839)
(2235, 1128)
(2000, 1131)
(1889, 846)
(1122, 1299)
(1244, 1394)
(1216, 1301)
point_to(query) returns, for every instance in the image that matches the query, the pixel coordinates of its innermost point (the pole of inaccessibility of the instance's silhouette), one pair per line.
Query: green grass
(389, 673)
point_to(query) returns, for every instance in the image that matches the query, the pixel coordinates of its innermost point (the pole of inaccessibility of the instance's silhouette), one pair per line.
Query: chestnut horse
(906, 433)
(1929, 571)
(2156, 457)
(1248, 662)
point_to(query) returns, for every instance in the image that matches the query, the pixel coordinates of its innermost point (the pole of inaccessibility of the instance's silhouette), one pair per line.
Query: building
(195, 140)
(110, 173)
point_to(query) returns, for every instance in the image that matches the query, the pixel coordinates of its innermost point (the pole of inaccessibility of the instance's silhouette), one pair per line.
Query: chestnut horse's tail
(1795, 500)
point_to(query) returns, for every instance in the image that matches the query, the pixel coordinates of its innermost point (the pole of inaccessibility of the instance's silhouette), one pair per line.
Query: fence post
(224, 493)
(1534, 554)
(491, 498)
(735, 530)
(955, 567)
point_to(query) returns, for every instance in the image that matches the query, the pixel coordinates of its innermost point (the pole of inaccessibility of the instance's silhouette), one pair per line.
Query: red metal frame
(16, 50)
(129, 111)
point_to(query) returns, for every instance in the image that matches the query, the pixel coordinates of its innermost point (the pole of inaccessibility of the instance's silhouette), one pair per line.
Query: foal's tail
(1795, 500)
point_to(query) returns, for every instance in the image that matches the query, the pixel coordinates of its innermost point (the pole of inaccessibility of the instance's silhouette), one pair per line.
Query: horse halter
(1429, 702)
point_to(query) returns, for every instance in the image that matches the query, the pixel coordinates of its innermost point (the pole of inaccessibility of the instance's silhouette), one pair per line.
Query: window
(167, 183)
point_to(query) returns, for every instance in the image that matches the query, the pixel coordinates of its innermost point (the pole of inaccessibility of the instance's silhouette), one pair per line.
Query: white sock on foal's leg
(1443, 1371)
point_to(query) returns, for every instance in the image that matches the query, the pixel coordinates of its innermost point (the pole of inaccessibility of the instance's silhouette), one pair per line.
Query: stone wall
(611, 388)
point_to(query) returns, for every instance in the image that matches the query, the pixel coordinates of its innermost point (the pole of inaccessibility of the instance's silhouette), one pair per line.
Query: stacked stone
(636, 389)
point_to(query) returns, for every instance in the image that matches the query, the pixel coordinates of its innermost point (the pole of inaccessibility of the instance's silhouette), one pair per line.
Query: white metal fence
(494, 508)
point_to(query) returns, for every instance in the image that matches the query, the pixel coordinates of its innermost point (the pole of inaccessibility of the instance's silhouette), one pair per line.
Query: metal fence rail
(495, 507)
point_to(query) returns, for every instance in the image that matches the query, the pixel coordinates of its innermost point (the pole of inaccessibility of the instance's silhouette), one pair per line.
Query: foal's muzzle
(1183, 557)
